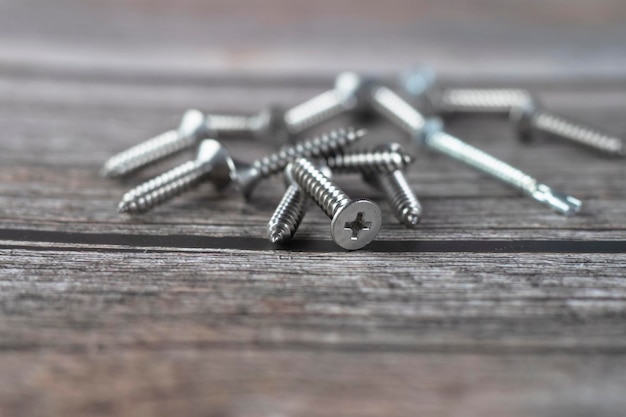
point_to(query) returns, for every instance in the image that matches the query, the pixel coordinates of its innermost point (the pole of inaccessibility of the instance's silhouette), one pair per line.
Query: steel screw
(194, 127)
(383, 167)
(212, 163)
(215, 164)
(523, 109)
(394, 107)
(355, 223)
(327, 144)
(291, 210)
(530, 120)
(422, 84)
(344, 97)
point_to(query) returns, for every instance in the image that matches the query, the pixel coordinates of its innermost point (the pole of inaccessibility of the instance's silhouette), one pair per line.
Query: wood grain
(494, 306)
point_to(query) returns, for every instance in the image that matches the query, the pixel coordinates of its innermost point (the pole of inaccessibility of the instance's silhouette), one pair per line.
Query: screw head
(522, 115)
(193, 124)
(354, 90)
(421, 84)
(223, 168)
(270, 122)
(356, 224)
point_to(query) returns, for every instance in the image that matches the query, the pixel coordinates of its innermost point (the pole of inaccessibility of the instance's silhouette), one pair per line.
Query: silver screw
(355, 223)
(290, 211)
(422, 85)
(383, 167)
(523, 109)
(530, 120)
(215, 164)
(324, 145)
(342, 98)
(399, 111)
(212, 163)
(194, 127)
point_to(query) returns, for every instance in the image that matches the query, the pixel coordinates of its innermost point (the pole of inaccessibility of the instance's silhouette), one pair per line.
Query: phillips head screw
(354, 223)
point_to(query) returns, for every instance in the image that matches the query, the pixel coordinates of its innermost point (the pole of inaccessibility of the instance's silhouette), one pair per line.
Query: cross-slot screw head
(354, 223)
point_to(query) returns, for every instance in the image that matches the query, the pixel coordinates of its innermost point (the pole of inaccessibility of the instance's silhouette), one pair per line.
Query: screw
(523, 109)
(431, 133)
(248, 176)
(215, 164)
(355, 223)
(194, 127)
(291, 210)
(422, 84)
(530, 120)
(344, 97)
(455, 148)
(383, 167)
(212, 162)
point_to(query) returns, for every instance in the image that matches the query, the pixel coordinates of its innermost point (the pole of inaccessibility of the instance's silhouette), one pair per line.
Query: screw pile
(308, 165)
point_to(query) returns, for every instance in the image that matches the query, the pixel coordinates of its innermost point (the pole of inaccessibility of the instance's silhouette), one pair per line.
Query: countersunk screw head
(522, 116)
(356, 224)
(354, 91)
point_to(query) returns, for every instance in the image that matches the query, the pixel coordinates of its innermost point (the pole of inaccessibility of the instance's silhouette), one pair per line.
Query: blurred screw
(194, 127)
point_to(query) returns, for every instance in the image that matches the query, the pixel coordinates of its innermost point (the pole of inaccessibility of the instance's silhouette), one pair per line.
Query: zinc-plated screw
(399, 111)
(215, 164)
(383, 167)
(523, 109)
(355, 223)
(290, 211)
(342, 98)
(441, 141)
(194, 127)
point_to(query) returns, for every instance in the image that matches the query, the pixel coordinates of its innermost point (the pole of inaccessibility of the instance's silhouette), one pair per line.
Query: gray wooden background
(494, 307)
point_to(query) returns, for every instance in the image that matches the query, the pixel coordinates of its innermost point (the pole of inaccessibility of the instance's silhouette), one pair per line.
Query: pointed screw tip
(277, 238)
(412, 220)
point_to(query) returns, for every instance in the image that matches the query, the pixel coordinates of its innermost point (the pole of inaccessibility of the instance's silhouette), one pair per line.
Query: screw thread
(482, 100)
(316, 110)
(370, 161)
(288, 215)
(321, 146)
(231, 125)
(577, 133)
(146, 153)
(463, 152)
(164, 187)
(398, 110)
(322, 190)
(401, 198)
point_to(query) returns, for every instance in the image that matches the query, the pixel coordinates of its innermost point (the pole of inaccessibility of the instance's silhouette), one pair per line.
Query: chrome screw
(215, 164)
(194, 127)
(248, 176)
(383, 167)
(212, 163)
(290, 211)
(355, 223)
(422, 85)
(399, 111)
(523, 109)
(342, 98)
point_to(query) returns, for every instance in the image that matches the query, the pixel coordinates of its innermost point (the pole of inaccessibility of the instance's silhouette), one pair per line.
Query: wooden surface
(495, 306)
